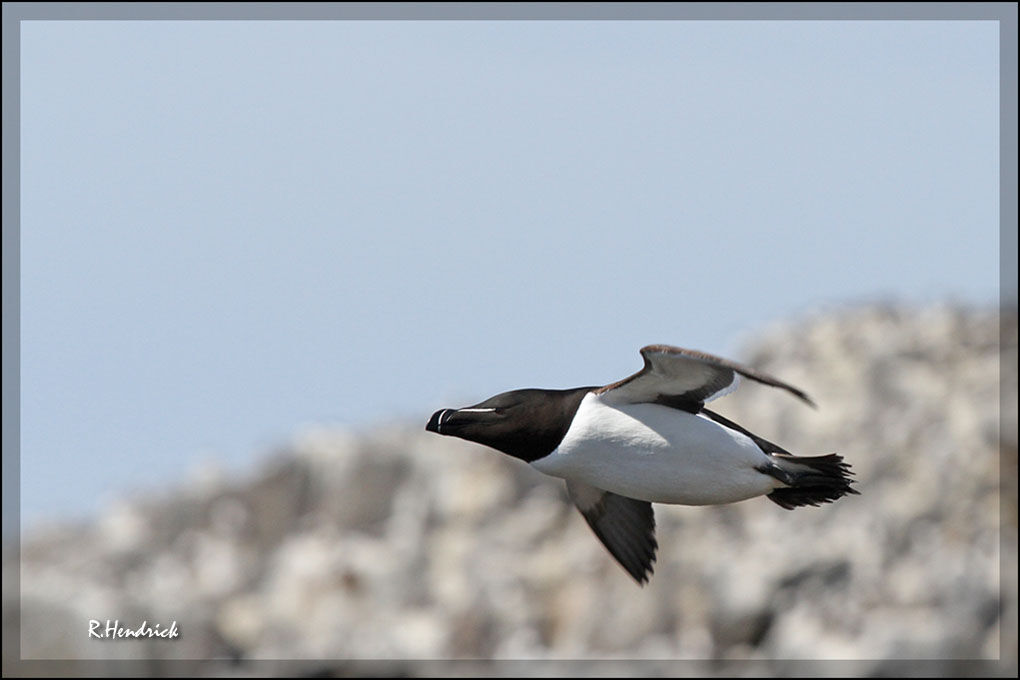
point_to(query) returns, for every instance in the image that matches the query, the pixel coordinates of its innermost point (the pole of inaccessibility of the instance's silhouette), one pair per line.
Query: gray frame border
(16, 12)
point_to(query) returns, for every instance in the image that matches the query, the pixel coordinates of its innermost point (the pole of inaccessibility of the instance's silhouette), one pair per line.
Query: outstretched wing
(685, 379)
(624, 525)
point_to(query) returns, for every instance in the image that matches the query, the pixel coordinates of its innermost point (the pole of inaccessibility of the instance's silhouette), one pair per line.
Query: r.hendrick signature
(114, 630)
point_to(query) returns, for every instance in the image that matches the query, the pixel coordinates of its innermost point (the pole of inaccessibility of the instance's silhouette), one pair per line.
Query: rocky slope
(398, 544)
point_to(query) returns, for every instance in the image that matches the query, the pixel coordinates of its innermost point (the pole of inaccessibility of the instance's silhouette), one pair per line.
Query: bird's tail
(810, 480)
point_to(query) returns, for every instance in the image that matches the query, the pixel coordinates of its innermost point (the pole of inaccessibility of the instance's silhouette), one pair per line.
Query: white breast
(659, 454)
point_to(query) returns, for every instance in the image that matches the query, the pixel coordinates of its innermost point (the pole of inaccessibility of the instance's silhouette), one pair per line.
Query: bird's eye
(498, 410)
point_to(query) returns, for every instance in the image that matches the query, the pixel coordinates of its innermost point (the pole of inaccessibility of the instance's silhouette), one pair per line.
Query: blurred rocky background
(400, 545)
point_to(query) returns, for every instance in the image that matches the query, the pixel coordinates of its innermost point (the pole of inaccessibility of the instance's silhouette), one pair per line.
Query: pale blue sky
(233, 229)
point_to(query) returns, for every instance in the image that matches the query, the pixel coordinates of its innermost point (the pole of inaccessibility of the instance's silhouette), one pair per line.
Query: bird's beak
(450, 420)
(436, 421)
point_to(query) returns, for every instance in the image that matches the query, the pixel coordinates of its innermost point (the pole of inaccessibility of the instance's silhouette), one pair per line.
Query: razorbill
(648, 439)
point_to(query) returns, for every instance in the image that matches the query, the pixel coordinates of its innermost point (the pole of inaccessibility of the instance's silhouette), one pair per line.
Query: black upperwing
(626, 526)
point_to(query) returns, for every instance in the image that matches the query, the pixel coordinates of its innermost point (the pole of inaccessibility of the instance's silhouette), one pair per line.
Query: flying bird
(648, 439)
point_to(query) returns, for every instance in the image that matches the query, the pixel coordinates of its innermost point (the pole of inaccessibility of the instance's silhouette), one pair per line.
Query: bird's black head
(526, 424)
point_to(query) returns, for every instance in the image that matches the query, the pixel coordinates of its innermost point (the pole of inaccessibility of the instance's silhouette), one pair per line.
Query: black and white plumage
(648, 439)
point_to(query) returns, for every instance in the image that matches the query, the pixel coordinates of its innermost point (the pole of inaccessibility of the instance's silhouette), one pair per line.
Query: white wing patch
(726, 390)
(685, 379)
